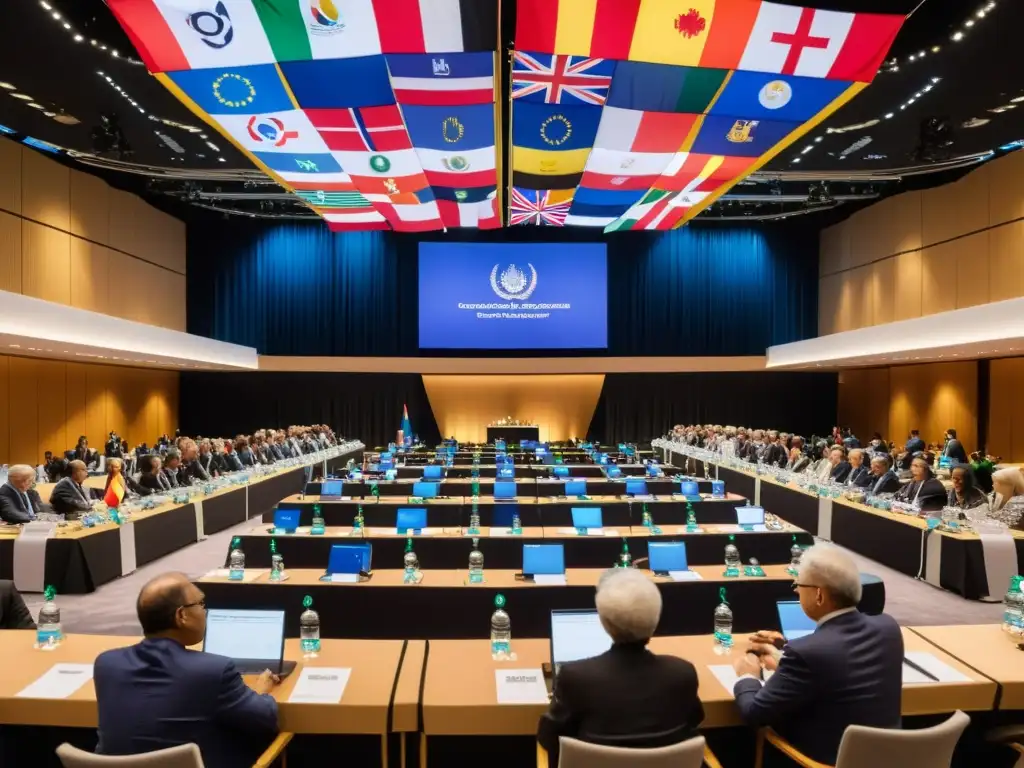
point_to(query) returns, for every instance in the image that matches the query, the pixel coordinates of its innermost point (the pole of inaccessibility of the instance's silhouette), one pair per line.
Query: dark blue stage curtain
(640, 406)
(297, 289)
(364, 406)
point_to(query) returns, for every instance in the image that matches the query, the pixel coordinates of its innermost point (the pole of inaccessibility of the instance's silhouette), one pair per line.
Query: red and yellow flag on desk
(115, 491)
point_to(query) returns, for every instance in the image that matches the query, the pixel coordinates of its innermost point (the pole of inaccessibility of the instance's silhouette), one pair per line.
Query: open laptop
(576, 635)
(793, 622)
(330, 490)
(664, 557)
(543, 559)
(750, 517)
(254, 640)
(287, 519)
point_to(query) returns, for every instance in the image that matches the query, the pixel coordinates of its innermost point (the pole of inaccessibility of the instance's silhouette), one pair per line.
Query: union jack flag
(556, 79)
(539, 206)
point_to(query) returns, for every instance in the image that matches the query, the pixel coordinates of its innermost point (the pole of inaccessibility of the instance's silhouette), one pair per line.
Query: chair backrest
(864, 747)
(580, 754)
(183, 756)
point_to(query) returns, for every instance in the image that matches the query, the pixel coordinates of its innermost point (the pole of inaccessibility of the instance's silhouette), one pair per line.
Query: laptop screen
(245, 635)
(636, 487)
(575, 487)
(349, 558)
(504, 490)
(425, 490)
(688, 488)
(286, 519)
(586, 517)
(411, 517)
(330, 488)
(543, 559)
(576, 635)
(432, 472)
(664, 556)
(750, 515)
(793, 621)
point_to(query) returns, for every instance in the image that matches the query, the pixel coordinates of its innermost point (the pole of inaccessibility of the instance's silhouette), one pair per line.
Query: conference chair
(183, 756)
(864, 747)
(692, 753)
(1010, 736)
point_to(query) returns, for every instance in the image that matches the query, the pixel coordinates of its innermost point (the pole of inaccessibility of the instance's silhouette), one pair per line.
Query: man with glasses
(847, 672)
(158, 693)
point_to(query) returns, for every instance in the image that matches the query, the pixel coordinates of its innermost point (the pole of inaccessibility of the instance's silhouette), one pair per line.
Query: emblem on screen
(512, 283)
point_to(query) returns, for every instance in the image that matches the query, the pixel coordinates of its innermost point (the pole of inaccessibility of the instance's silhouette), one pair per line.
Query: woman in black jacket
(964, 494)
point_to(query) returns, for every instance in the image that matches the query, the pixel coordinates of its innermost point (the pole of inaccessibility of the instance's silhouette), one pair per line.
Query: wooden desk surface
(363, 707)
(460, 693)
(495, 578)
(987, 649)
(403, 501)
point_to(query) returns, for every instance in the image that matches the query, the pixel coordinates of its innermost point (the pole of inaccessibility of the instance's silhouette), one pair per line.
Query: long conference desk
(965, 563)
(78, 560)
(435, 702)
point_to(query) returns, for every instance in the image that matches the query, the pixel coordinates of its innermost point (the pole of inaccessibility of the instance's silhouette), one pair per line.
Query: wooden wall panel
(46, 263)
(907, 286)
(47, 404)
(938, 278)
(10, 250)
(561, 405)
(1006, 261)
(828, 303)
(90, 207)
(1006, 417)
(10, 176)
(972, 268)
(883, 295)
(956, 209)
(45, 190)
(90, 276)
(933, 398)
(1006, 191)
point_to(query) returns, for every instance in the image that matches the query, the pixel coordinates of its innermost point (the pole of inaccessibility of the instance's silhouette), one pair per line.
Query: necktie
(28, 504)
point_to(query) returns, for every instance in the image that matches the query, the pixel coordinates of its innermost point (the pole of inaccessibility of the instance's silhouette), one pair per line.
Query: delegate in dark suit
(886, 483)
(16, 507)
(68, 498)
(13, 612)
(159, 694)
(859, 476)
(841, 471)
(849, 671)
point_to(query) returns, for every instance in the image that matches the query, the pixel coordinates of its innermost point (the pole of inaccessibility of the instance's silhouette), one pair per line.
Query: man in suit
(70, 497)
(276, 445)
(860, 475)
(840, 466)
(914, 443)
(172, 469)
(112, 449)
(158, 694)
(151, 474)
(627, 696)
(13, 611)
(883, 479)
(776, 453)
(18, 502)
(232, 463)
(847, 672)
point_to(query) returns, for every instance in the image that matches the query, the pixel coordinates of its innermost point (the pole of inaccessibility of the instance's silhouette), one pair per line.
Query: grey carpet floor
(110, 610)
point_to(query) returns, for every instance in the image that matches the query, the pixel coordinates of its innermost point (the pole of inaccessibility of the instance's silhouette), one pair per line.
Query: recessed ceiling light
(8, 86)
(56, 16)
(50, 114)
(46, 6)
(34, 105)
(79, 38)
(1017, 100)
(222, 159)
(969, 23)
(936, 49)
(22, 96)
(66, 25)
(889, 116)
(957, 37)
(818, 140)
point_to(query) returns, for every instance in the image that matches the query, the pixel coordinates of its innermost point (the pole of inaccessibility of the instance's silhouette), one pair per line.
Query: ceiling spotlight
(93, 42)
(66, 25)
(936, 79)
(79, 38)
(969, 23)
(795, 160)
(818, 140)
(920, 54)
(21, 96)
(34, 105)
(936, 49)
(911, 57)
(50, 114)
(56, 16)
(221, 159)
(1017, 100)
(8, 86)
(818, 194)
(46, 5)
(888, 115)
(114, 54)
(957, 37)
(981, 14)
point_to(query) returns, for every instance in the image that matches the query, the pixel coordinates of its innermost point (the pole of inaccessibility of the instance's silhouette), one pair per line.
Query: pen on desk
(917, 667)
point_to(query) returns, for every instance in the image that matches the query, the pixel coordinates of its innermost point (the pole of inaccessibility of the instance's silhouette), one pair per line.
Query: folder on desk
(432, 472)
(349, 558)
(286, 520)
(411, 518)
(425, 490)
(587, 517)
(504, 490)
(576, 488)
(543, 559)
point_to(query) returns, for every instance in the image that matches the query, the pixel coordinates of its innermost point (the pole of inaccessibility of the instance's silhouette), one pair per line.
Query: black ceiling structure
(951, 95)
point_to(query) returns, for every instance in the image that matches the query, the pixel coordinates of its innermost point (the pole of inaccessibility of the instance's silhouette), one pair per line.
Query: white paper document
(58, 682)
(684, 576)
(549, 579)
(725, 674)
(344, 578)
(320, 685)
(500, 532)
(942, 672)
(521, 686)
(588, 532)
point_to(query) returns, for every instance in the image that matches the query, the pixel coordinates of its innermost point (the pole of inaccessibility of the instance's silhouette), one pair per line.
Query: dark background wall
(298, 289)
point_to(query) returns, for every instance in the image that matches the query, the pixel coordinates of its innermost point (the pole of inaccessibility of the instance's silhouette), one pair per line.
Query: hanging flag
(701, 173)
(554, 126)
(553, 164)
(450, 79)
(720, 135)
(300, 30)
(481, 215)
(539, 206)
(673, 33)
(601, 28)
(289, 131)
(596, 180)
(556, 79)
(401, 190)
(612, 163)
(766, 96)
(451, 129)
(607, 198)
(629, 130)
(595, 211)
(412, 218)
(528, 180)
(379, 164)
(249, 90)
(171, 36)
(115, 491)
(317, 84)
(649, 213)
(814, 43)
(371, 129)
(467, 168)
(337, 181)
(294, 162)
(588, 221)
(348, 221)
(664, 88)
(437, 26)
(335, 200)
(464, 194)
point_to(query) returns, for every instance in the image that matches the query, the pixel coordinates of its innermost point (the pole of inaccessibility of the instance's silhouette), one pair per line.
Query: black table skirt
(305, 551)
(963, 567)
(736, 482)
(795, 508)
(420, 611)
(524, 487)
(512, 435)
(447, 515)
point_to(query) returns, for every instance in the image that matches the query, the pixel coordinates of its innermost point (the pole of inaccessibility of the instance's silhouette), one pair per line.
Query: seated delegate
(883, 479)
(70, 497)
(860, 474)
(924, 491)
(847, 672)
(158, 693)
(964, 494)
(19, 503)
(13, 611)
(627, 696)
(115, 467)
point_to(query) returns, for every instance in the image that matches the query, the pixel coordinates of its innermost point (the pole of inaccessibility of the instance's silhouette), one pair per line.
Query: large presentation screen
(513, 296)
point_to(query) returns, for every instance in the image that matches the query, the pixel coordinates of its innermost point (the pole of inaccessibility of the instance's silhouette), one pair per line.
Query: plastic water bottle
(732, 558)
(309, 630)
(723, 625)
(474, 520)
(410, 562)
(318, 521)
(517, 524)
(501, 630)
(236, 561)
(357, 522)
(1013, 608)
(625, 558)
(476, 564)
(48, 631)
(795, 553)
(276, 562)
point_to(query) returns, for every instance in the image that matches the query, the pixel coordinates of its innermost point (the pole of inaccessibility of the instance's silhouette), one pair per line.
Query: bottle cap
(307, 601)
(408, 544)
(499, 600)
(732, 537)
(273, 546)
(236, 542)
(721, 595)
(49, 593)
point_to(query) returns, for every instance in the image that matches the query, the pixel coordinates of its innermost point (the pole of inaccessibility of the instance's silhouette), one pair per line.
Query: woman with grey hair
(627, 696)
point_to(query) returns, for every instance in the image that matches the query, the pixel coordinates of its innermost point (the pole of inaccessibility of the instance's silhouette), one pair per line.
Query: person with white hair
(849, 671)
(18, 502)
(627, 696)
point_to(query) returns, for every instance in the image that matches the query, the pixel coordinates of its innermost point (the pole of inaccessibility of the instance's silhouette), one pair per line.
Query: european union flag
(554, 126)
(664, 88)
(299, 163)
(248, 90)
(768, 96)
(734, 137)
(339, 83)
(464, 194)
(608, 197)
(450, 128)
